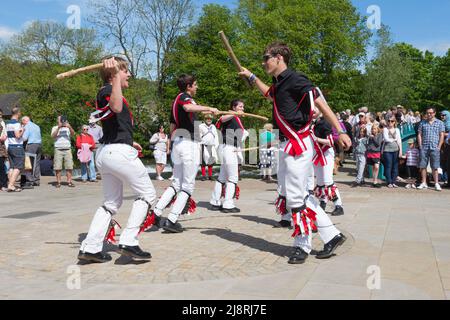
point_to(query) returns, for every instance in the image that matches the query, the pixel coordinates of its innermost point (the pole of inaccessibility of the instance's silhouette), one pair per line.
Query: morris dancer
(226, 185)
(185, 154)
(294, 98)
(118, 162)
(326, 190)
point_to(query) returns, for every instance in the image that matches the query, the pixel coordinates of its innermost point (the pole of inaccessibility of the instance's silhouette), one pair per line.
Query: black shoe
(329, 247)
(284, 224)
(298, 257)
(233, 210)
(338, 211)
(169, 226)
(27, 186)
(376, 185)
(210, 178)
(355, 184)
(158, 221)
(36, 184)
(214, 208)
(98, 257)
(203, 178)
(134, 252)
(323, 205)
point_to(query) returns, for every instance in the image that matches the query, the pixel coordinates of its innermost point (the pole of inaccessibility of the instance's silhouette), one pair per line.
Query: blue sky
(425, 24)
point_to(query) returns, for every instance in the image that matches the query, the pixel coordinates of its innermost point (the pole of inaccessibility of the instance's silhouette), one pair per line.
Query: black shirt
(232, 131)
(117, 127)
(322, 129)
(180, 117)
(291, 88)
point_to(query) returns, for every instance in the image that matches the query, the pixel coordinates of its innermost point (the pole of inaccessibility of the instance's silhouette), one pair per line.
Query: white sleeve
(386, 136)
(154, 139)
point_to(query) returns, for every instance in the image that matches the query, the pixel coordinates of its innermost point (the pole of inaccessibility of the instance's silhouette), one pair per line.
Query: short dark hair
(235, 102)
(433, 108)
(184, 81)
(280, 48)
(106, 75)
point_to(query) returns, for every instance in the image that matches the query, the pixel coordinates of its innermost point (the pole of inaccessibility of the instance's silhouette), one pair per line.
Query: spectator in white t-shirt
(63, 151)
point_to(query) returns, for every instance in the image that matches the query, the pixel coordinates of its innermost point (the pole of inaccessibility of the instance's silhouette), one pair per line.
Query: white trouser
(228, 176)
(293, 175)
(186, 162)
(208, 154)
(310, 183)
(119, 164)
(324, 175)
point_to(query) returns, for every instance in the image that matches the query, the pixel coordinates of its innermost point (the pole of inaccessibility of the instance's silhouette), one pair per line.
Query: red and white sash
(296, 146)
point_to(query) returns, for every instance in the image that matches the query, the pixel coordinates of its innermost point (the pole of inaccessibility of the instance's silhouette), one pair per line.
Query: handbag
(28, 165)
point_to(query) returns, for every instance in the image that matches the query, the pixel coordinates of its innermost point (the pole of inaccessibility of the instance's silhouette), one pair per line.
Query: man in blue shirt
(430, 139)
(33, 138)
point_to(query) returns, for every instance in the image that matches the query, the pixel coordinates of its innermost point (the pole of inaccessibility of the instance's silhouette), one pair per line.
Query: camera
(64, 120)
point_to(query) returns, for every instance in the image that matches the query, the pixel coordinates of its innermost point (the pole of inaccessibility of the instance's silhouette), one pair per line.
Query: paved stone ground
(404, 233)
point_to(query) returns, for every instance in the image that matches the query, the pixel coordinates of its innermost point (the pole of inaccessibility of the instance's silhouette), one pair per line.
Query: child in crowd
(412, 162)
(373, 154)
(360, 149)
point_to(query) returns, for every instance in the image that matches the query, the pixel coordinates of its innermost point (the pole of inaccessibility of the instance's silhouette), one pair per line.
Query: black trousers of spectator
(34, 176)
(413, 172)
(3, 175)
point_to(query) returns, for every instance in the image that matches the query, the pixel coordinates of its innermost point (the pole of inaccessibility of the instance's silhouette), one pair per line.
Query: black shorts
(16, 157)
(372, 161)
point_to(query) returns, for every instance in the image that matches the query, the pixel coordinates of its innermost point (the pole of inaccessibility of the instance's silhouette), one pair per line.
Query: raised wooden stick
(233, 56)
(72, 73)
(250, 115)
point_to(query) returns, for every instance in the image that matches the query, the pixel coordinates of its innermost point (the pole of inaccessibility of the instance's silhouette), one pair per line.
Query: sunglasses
(266, 57)
(391, 120)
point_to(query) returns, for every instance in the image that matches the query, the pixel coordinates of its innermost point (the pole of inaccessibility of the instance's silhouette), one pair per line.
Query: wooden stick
(248, 149)
(253, 148)
(250, 115)
(233, 57)
(72, 73)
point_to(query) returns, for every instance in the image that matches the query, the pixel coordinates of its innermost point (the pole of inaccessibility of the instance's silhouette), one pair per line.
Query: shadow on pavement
(256, 219)
(251, 242)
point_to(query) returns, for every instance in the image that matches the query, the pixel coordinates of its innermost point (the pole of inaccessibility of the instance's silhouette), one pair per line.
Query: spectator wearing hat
(430, 138)
(209, 145)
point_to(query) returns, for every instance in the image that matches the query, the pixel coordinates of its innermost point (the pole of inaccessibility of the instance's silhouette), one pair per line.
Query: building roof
(9, 101)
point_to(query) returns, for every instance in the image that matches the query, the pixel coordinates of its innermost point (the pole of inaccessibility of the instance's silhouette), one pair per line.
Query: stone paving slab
(405, 233)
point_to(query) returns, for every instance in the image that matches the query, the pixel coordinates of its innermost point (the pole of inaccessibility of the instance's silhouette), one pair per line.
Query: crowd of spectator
(399, 146)
(23, 163)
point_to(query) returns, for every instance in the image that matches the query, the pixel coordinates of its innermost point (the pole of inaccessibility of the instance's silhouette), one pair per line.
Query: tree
(120, 26)
(387, 76)
(164, 21)
(52, 42)
(440, 89)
